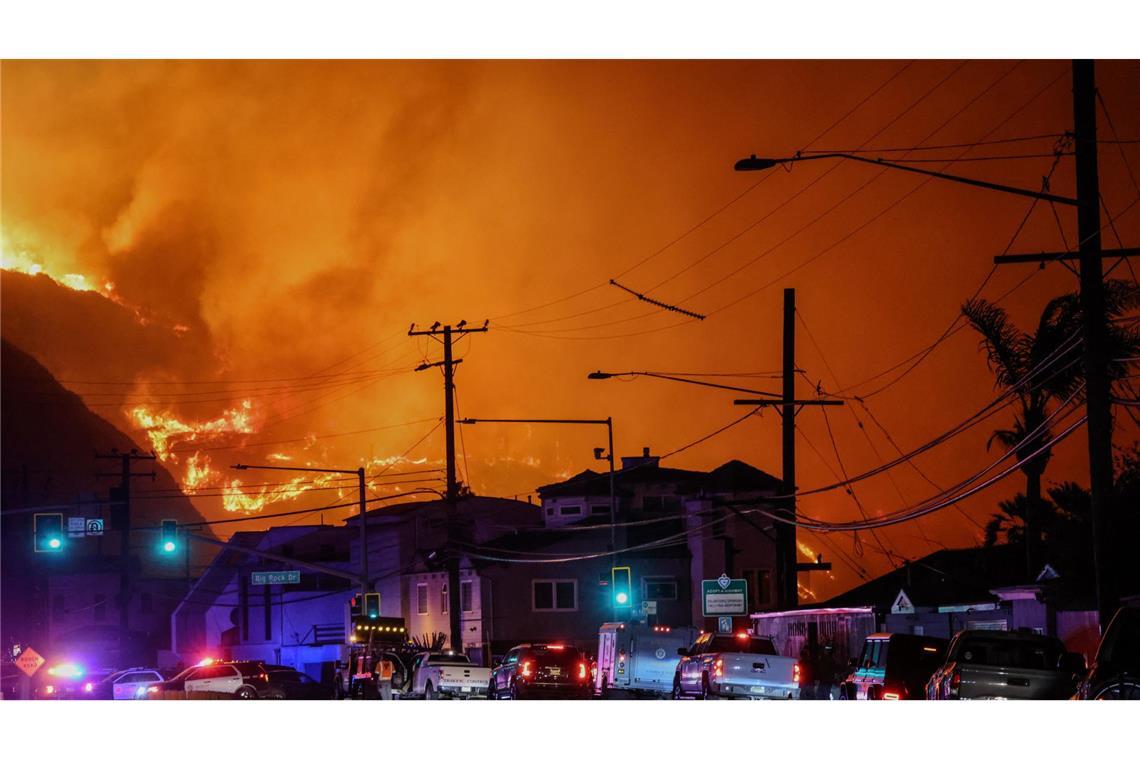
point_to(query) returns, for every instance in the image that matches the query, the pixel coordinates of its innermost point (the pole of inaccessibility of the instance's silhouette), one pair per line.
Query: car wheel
(429, 692)
(515, 692)
(246, 692)
(604, 690)
(706, 691)
(677, 693)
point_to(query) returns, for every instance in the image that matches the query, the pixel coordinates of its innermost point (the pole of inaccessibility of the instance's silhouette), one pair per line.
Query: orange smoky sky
(280, 224)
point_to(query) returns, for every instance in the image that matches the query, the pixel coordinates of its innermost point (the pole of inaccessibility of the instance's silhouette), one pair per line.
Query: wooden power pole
(446, 334)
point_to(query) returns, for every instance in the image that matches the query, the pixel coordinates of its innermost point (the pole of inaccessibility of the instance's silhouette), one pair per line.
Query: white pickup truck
(735, 666)
(438, 675)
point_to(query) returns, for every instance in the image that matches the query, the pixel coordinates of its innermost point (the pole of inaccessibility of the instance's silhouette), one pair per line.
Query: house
(226, 615)
(939, 595)
(551, 581)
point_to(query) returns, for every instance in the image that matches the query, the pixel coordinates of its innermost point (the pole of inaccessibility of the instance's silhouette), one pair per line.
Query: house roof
(949, 576)
(466, 504)
(731, 477)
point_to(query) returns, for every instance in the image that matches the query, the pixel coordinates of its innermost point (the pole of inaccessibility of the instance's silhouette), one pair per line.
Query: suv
(245, 679)
(537, 670)
(1115, 672)
(984, 664)
(894, 666)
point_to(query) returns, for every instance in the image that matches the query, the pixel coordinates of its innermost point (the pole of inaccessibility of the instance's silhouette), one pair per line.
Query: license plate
(465, 689)
(555, 671)
(759, 689)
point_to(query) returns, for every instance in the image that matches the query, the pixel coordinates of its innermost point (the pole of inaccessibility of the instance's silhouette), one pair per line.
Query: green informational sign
(724, 596)
(275, 578)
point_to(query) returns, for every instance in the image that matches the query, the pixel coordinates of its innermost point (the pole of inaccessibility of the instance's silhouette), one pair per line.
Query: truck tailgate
(460, 675)
(758, 674)
(993, 682)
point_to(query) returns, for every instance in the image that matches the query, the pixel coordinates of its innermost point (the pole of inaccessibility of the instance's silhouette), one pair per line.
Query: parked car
(1006, 665)
(638, 657)
(235, 678)
(533, 671)
(894, 666)
(735, 666)
(447, 674)
(131, 683)
(66, 680)
(1115, 672)
(287, 683)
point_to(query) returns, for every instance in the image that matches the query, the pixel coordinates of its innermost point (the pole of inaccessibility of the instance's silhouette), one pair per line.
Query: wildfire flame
(199, 473)
(27, 263)
(164, 429)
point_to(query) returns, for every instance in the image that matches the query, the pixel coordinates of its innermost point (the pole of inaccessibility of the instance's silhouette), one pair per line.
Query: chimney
(645, 460)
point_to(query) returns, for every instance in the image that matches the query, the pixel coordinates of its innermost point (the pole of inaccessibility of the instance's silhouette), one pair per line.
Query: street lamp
(609, 456)
(365, 585)
(753, 164)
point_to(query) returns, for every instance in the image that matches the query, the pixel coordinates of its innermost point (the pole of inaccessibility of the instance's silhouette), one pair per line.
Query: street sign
(649, 608)
(275, 577)
(724, 625)
(94, 526)
(724, 596)
(29, 661)
(76, 526)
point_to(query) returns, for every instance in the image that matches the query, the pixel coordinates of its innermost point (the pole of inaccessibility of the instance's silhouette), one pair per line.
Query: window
(147, 603)
(660, 588)
(421, 598)
(443, 598)
(575, 510)
(759, 588)
(555, 595)
(466, 589)
(918, 630)
(100, 608)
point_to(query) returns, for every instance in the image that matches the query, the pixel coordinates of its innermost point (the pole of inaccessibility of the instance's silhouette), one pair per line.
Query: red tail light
(526, 671)
(718, 669)
(796, 673)
(581, 671)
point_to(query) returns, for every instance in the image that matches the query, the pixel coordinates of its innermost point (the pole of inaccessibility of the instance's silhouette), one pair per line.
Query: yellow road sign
(29, 661)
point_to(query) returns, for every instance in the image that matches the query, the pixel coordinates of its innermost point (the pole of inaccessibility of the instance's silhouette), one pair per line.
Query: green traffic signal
(372, 605)
(169, 540)
(48, 531)
(622, 585)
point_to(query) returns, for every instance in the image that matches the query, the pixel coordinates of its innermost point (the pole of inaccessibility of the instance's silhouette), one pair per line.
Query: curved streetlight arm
(752, 163)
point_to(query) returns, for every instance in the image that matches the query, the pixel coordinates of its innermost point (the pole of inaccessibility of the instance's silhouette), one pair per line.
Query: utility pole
(446, 334)
(1097, 391)
(787, 568)
(1098, 399)
(121, 517)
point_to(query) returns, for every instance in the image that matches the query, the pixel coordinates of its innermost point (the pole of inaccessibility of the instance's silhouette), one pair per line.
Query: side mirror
(683, 652)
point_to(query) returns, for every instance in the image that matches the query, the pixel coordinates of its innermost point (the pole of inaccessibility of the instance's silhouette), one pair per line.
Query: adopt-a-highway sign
(724, 596)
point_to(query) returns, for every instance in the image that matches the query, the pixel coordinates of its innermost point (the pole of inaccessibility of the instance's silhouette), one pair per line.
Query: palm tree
(1042, 368)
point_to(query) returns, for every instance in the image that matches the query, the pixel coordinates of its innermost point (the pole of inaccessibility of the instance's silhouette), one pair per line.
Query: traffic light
(168, 542)
(372, 606)
(622, 587)
(48, 530)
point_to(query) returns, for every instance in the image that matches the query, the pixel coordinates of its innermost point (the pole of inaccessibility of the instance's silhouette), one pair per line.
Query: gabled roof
(949, 576)
(731, 477)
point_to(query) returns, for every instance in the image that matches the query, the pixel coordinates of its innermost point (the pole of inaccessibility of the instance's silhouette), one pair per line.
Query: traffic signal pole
(124, 526)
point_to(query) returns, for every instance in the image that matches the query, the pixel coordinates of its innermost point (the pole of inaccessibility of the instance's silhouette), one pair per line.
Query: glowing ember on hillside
(165, 429)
